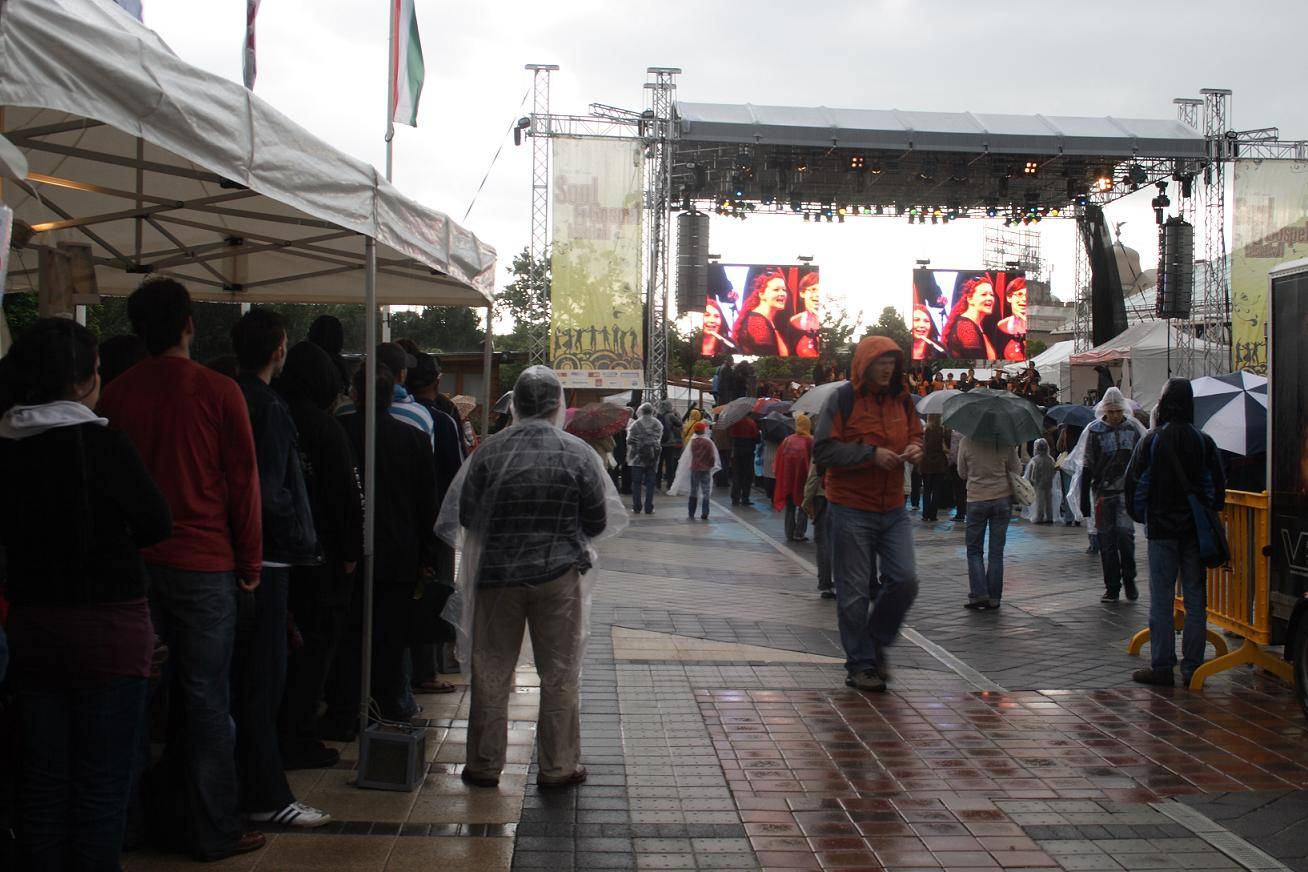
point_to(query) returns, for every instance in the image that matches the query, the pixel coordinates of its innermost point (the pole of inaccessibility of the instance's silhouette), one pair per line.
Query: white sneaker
(297, 814)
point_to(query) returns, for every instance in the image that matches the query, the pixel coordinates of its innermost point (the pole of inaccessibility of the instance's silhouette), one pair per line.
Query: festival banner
(596, 330)
(1270, 227)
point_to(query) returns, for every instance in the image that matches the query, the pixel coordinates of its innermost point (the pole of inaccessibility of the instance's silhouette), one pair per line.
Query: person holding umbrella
(866, 431)
(993, 424)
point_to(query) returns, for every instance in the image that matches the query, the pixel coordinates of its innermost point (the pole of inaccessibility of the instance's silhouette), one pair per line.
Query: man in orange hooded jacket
(863, 438)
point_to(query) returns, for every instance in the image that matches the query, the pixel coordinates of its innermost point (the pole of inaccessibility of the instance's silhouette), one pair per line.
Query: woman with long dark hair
(965, 338)
(756, 328)
(81, 505)
(715, 341)
(926, 341)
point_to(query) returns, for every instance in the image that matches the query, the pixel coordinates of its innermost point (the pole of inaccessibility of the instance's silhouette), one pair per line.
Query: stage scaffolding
(764, 173)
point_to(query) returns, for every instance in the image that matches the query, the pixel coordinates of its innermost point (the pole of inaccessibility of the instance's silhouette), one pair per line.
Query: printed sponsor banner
(596, 329)
(1270, 226)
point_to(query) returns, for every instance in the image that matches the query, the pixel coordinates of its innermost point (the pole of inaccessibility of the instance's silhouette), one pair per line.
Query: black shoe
(980, 605)
(703, 517)
(479, 780)
(1132, 592)
(828, 593)
(1156, 677)
(244, 844)
(320, 757)
(649, 511)
(1109, 596)
(866, 680)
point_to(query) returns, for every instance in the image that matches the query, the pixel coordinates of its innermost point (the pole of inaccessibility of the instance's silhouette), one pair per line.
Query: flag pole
(392, 70)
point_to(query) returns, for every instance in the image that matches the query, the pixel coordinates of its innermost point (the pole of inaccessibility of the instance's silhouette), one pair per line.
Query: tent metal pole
(489, 398)
(369, 472)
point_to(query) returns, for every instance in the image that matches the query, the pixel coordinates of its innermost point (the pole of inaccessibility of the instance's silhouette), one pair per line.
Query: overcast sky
(323, 64)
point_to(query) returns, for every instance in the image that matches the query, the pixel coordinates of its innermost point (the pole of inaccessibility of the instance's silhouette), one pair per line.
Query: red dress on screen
(758, 335)
(967, 340)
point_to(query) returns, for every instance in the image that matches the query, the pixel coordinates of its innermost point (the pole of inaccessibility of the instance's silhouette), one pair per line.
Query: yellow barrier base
(1249, 652)
(1215, 639)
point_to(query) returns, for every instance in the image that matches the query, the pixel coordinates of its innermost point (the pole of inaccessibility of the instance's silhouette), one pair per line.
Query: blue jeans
(859, 538)
(1116, 541)
(195, 615)
(648, 478)
(1169, 558)
(78, 753)
(701, 483)
(987, 582)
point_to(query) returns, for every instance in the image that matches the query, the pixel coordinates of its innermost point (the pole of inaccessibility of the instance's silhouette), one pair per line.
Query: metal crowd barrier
(1238, 594)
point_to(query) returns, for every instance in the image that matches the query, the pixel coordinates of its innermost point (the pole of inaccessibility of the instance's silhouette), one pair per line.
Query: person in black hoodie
(320, 595)
(328, 333)
(1175, 445)
(406, 510)
(80, 629)
(289, 539)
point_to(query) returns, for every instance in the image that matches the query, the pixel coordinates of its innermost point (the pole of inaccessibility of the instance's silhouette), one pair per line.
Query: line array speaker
(1175, 269)
(692, 261)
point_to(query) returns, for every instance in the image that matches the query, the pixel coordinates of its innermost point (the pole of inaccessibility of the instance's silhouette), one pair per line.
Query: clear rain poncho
(681, 481)
(522, 509)
(1113, 399)
(1043, 475)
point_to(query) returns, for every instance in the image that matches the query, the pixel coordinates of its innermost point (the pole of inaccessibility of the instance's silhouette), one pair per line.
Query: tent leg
(369, 474)
(488, 398)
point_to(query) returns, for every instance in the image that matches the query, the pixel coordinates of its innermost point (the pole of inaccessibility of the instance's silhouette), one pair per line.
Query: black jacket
(406, 497)
(79, 503)
(288, 532)
(309, 385)
(1169, 515)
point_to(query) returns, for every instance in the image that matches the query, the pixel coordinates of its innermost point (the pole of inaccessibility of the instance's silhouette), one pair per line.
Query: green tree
(526, 300)
(1036, 347)
(20, 311)
(440, 328)
(892, 324)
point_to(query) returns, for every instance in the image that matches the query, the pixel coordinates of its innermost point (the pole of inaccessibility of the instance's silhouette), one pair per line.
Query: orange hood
(869, 349)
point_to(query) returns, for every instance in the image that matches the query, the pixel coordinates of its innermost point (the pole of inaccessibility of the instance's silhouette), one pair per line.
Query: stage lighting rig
(875, 168)
(1187, 184)
(1161, 202)
(856, 162)
(1031, 167)
(520, 129)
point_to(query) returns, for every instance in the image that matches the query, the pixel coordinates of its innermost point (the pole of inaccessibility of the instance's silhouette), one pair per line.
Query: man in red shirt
(192, 429)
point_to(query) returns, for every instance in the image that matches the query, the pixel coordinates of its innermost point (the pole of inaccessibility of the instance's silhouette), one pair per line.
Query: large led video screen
(968, 315)
(762, 310)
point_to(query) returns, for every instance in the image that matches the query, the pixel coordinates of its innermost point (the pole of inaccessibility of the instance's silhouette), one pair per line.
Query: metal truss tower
(538, 339)
(1082, 322)
(658, 130)
(1215, 301)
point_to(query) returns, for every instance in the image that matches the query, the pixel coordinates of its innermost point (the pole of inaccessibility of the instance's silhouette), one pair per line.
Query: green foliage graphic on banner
(596, 329)
(1270, 227)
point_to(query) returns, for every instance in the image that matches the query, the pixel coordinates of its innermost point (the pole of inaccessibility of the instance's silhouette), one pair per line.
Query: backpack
(845, 406)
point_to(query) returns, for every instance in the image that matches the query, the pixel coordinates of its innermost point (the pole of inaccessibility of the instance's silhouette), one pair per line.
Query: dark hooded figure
(1174, 460)
(319, 595)
(328, 333)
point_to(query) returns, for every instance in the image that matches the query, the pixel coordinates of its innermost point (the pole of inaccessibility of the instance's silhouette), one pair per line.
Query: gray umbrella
(733, 412)
(813, 401)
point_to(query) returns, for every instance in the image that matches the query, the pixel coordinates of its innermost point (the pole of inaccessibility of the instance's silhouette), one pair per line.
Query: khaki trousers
(552, 612)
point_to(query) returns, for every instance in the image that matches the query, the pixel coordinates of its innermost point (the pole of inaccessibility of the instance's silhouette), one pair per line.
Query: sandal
(433, 685)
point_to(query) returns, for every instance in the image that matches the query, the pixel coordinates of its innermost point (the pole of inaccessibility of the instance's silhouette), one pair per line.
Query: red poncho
(792, 469)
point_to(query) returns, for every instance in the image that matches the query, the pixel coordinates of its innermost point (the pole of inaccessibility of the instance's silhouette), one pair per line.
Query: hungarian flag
(248, 67)
(406, 63)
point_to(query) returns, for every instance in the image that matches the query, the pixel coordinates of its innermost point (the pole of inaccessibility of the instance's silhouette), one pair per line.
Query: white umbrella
(934, 402)
(1232, 409)
(813, 401)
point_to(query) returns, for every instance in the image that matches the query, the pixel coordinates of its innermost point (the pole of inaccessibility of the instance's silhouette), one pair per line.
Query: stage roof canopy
(774, 155)
(164, 168)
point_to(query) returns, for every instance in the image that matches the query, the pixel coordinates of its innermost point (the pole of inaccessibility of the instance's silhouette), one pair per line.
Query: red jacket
(792, 469)
(192, 429)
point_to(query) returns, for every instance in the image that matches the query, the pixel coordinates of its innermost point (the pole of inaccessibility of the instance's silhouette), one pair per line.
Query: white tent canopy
(1054, 366)
(164, 168)
(1138, 358)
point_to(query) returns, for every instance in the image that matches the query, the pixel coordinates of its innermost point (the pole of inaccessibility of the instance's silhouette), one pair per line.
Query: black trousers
(742, 472)
(668, 464)
(322, 627)
(933, 494)
(258, 679)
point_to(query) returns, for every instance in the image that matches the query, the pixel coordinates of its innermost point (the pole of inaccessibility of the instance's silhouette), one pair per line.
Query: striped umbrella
(1232, 409)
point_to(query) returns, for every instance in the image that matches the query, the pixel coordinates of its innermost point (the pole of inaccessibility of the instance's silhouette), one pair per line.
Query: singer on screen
(756, 329)
(1013, 327)
(715, 341)
(925, 344)
(806, 324)
(964, 337)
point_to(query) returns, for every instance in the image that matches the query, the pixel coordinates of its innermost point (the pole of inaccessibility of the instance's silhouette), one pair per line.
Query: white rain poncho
(523, 509)
(1043, 475)
(681, 481)
(1113, 400)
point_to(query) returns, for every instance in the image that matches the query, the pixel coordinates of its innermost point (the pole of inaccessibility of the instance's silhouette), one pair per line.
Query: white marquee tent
(1054, 366)
(164, 168)
(1138, 358)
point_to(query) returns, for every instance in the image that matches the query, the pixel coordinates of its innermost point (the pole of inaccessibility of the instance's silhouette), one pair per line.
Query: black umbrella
(776, 426)
(1070, 414)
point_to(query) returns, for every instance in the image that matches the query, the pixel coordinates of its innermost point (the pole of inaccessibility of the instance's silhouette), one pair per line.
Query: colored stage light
(801, 166)
(856, 162)
(1083, 200)
(1055, 212)
(1031, 168)
(992, 210)
(1104, 184)
(841, 211)
(796, 205)
(875, 168)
